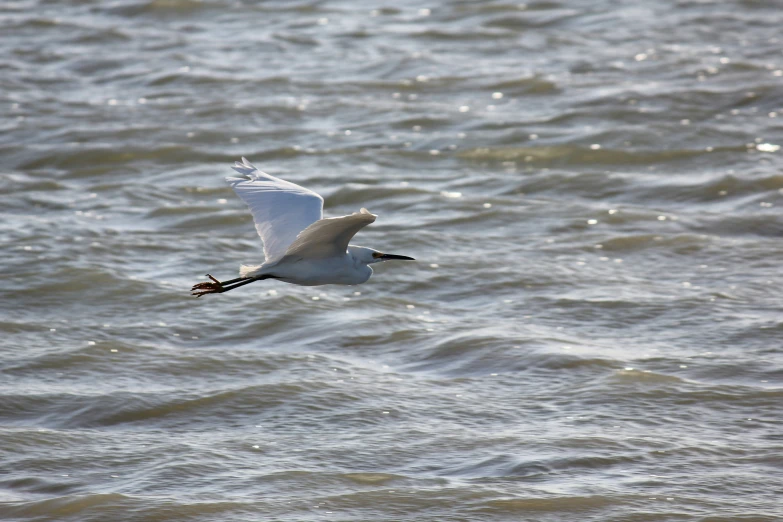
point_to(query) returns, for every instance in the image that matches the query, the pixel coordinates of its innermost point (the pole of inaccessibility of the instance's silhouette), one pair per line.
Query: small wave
(761, 224)
(211, 221)
(86, 161)
(66, 506)
(526, 85)
(372, 479)
(561, 155)
(348, 195)
(531, 19)
(163, 7)
(461, 35)
(727, 188)
(67, 281)
(105, 506)
(472, 354)
(680, 243)
(646, 376)
(554, 504)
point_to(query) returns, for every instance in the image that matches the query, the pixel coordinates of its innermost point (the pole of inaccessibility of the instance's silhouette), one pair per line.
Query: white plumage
(300, 246)
(281, 210)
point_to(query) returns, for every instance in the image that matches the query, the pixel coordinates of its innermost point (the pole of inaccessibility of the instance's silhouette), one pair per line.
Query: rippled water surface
(592, 330)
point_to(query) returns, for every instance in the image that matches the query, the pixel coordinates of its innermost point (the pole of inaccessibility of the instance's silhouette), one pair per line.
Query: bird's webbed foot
(207, 287)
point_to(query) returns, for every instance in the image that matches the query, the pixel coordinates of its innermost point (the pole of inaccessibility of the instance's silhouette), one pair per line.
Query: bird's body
(301, 246)
(336, 270)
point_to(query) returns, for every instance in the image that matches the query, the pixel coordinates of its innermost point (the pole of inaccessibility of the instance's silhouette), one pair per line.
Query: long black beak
(388, 257)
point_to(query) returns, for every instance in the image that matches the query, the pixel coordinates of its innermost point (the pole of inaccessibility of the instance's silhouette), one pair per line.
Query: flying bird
(300, 245)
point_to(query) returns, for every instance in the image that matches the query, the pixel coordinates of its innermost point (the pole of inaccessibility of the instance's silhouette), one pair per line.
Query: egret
(300, 245)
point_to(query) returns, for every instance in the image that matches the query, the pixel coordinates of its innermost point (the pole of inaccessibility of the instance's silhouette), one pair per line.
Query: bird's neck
(355, 261)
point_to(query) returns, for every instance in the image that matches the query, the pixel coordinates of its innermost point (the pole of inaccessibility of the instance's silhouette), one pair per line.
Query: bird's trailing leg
(217, 287)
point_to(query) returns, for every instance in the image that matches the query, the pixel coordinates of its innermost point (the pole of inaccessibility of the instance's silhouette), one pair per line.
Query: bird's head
(369, 256)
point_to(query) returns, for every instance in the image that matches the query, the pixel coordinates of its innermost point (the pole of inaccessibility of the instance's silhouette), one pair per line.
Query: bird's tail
(249, 270)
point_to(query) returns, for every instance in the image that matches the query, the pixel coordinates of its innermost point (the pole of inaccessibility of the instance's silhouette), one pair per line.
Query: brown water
(592, 332)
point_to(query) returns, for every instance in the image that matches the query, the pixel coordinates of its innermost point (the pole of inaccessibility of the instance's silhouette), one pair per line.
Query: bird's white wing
(281, 210)
(330, 237)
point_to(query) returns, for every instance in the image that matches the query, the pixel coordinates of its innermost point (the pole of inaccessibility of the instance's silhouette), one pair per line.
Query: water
(592, 330)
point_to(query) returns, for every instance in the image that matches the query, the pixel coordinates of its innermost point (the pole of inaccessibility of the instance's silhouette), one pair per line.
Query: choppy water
(592, 332)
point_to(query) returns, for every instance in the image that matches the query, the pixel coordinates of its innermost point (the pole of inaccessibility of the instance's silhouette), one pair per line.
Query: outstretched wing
(330, 237)
(281, 210)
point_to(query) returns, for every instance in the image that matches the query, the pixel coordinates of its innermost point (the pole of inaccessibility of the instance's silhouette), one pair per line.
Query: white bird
(300, 245)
